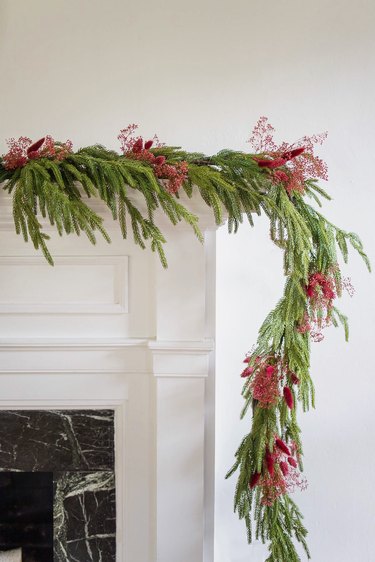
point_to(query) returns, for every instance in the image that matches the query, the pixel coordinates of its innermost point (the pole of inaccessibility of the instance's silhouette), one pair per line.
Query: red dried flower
(159, 160)
(321, 290)
(270, 462)
(265, 387)
(53, 149)
(138, 145)
(294, 378)
(23, 150)
(172, 176)
(33, 155)
(289, 155)
(262, 136)
(285, 478)
(292, 462)
(247, 372)
(254, 479)
(299, 169)
(282, 446)
(35, 147)
(16, 157)
(288, 396)
(276, 163)
(280, 176)
(284, 468)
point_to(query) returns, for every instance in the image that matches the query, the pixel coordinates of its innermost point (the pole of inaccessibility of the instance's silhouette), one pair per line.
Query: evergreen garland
(47, 179)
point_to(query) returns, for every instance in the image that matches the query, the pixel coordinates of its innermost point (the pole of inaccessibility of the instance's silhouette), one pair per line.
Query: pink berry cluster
(268, 379)
(280, 474)
(23, 150)
(298, 163)
(322, 289)
(172, 176)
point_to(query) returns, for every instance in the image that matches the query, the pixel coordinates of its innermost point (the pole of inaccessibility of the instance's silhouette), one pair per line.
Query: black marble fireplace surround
(64, 458)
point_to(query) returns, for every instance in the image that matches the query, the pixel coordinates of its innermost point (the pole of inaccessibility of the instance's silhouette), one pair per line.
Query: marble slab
(77, 448)
(85, 516)
(41, 440)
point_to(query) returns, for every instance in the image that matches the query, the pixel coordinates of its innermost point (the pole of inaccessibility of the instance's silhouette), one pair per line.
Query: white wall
(200, 73)
(312, 72)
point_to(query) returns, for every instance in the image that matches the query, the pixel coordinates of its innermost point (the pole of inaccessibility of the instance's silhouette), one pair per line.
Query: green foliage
(233, 186)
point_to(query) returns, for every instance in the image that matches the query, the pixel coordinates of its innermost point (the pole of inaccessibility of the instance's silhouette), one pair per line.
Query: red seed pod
(159, 160)
(294, 378)
(270, 369)
(282, 446)
(138, 145)
(35, 146)
(280, 176)
(247, 372)
(292, 462)
(270, 462)
(33, 155)
(284, 468)
(247, 360)
(271, 163)
(288, 397)
(277, 163)
(290, 154)
(297, 151)
(263, 162)
(148, 144)
(254, 479)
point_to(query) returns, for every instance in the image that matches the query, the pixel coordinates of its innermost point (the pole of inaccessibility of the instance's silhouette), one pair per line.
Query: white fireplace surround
(109, 328)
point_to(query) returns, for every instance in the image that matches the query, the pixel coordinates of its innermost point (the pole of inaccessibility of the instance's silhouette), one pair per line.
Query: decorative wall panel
(76, 284)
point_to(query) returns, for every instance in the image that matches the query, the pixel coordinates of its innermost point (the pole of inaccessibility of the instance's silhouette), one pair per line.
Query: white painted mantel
(108, 327)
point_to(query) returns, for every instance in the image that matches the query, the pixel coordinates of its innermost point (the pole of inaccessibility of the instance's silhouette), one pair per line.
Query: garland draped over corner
(48, 179)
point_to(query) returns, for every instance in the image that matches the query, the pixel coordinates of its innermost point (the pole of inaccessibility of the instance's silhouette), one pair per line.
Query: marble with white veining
(85, 517)
(77, 447)
(48, 440)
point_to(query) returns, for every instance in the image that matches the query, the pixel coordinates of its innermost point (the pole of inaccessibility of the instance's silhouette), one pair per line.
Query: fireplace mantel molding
(107, 326)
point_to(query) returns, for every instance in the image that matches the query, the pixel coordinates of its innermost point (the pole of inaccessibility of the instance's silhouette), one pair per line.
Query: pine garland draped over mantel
(48, 179)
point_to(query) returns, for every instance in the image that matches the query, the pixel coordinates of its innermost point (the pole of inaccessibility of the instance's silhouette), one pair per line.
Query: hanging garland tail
(47, 179)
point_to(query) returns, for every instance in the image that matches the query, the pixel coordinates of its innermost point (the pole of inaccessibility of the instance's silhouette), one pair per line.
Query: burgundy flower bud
(288, 397)
(35, 146)
(138, 145)
(270, 462)
(297, 151)
(280, 176)
(282, 446)
(148, 144)
(294, 378)
(284, 468)
(292, 462)
(159, 160)
(271, 163)
(254, 479)
(33, 155)
(247, 372)
(290, 154)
